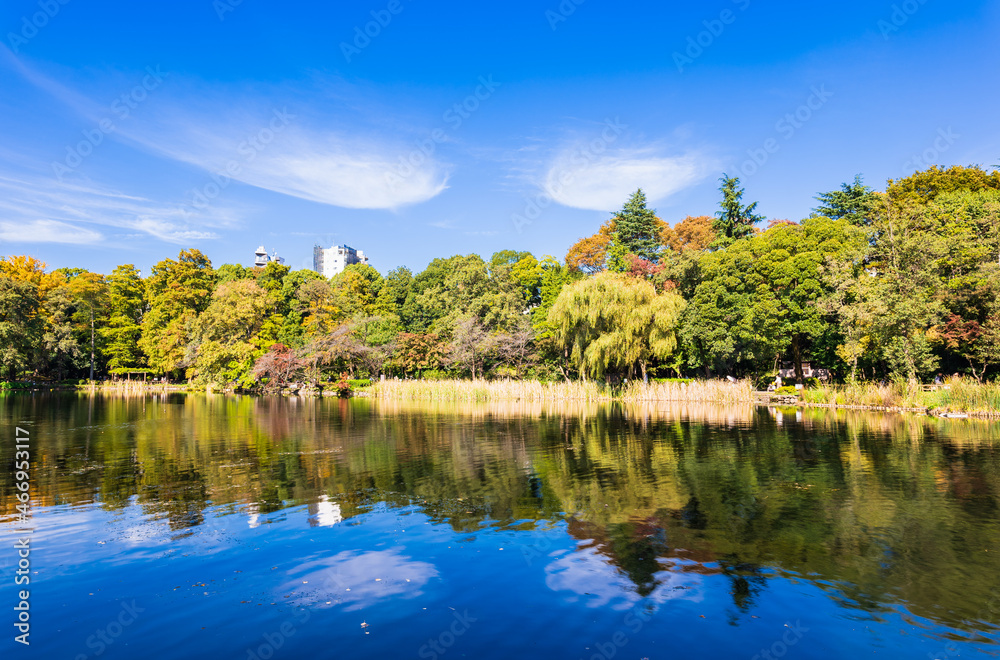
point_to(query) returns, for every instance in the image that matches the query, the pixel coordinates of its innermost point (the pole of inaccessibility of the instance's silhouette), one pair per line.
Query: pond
(213, 526)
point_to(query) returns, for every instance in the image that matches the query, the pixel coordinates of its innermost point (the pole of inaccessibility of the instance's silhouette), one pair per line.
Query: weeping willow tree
(615, 323)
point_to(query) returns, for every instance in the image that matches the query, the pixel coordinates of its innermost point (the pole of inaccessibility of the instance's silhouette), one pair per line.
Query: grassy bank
(959, 395)
(510, 390)
(482, 390)
(699, 391)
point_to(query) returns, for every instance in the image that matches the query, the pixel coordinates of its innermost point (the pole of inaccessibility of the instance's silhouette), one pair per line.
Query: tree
(177, 292)
(232, 273)
(886, 295)
(321, 306)
(924, 187)
(20, 326)
(589, 255)
(340, 350)
(359, 286)
(515, 349)
(636, 231)
(225, 339)
(554, 277)
(691, 233)
(61, 350)
(854, 202)
(734, 221)
(761, 297)
(91, 294)
(126, 306)
(419, 352)
(470, 346)
(293, 308)
(612, 322)
(279, 366)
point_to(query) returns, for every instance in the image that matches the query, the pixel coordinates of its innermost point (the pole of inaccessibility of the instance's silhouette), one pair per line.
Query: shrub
(343, 387)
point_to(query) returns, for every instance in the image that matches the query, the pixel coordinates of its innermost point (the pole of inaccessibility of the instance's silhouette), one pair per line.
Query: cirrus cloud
(579, 178)
(47, 231)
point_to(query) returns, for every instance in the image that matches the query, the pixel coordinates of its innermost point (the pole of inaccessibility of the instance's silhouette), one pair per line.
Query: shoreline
(702, 392)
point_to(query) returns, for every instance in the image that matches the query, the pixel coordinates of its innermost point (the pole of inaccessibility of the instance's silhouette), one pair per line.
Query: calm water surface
(187, 526)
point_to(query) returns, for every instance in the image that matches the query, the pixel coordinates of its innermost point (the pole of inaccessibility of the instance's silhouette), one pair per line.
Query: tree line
(900, 284)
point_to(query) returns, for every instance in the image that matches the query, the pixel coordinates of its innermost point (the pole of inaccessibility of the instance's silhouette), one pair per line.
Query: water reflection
(880, 510)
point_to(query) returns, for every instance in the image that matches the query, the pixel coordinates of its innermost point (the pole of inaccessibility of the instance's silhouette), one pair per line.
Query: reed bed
(482, 390)
(868, 395)
(958, 395)
(701, 391)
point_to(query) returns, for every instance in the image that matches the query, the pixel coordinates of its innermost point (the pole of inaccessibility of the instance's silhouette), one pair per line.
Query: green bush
(686, 381)
(359, 382)
(787, 390)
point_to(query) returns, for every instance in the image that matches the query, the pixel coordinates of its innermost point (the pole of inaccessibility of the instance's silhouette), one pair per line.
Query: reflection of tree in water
(635, 548)
(888, 511)
(178, 492)
(746, 583)
(691, 515)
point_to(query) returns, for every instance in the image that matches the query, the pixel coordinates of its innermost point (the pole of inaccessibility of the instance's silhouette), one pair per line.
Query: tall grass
(867, 395)
(704, 391)
(958, 395)
(481, 390)
(967, 396)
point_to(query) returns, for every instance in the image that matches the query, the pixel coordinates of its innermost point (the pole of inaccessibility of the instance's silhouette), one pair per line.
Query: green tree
(20, 326)
(735, 221)
(177, 292)
(637, 231)
(123, 329)
(359, 286)
(761, 298)
(854, 202)
(60, 348)
(923, 187)
(615, 323)
(226, 338)
(232, 273)
(90, 292)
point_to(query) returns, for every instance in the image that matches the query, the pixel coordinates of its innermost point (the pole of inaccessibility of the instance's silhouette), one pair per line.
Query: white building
(331, 261)
(261, 258)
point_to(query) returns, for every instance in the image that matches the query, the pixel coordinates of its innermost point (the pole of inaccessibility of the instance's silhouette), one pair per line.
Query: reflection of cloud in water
(358, 579)
(324, 513)
(594, 580)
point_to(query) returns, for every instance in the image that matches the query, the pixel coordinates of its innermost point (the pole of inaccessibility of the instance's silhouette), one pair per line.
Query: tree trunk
(797, 356)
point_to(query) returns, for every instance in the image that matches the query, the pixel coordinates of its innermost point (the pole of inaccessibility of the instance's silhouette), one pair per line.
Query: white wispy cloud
(318, 141)
(47, 231)
(580, 178)
(42, 210)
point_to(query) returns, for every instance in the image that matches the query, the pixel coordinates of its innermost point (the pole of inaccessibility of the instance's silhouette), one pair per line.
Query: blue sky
(133, 130)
